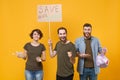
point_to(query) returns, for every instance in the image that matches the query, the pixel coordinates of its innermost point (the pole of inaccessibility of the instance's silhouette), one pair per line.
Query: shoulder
(79, 39)
(71, 43)
(28, 43)
(59, 42)
(94, 38)
(42, 45)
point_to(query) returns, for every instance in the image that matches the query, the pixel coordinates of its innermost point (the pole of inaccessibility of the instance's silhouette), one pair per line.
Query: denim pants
(34, 75)
(88, 74)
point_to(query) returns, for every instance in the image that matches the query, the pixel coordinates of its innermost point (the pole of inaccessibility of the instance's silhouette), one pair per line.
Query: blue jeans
(34, 75)
(88, 74)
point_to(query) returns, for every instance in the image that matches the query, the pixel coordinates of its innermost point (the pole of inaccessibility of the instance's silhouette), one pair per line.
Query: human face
(62, 35)
(36, 36)
(87, 32)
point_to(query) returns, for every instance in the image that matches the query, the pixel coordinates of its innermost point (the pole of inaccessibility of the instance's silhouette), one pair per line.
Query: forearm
(52, 53)
(79, 55)
(43, 58)
(72, 60)
(83, 55)
(21, 55)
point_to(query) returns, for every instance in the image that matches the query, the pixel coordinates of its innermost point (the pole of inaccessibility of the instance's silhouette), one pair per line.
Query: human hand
(69, 54)
(38, 59)
(84, 55)
(104, 50)
(103, 65)
(20, 54)
(50, 42)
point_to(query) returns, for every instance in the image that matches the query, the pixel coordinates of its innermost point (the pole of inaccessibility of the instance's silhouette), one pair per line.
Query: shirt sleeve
(55, 49)
(73, 50)
(76, 45)
(43, 47)
(99, 46)
(26, 46)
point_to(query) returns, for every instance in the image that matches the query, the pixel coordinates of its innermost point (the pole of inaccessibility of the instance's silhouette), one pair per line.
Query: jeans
(88, 74)
(34, 75)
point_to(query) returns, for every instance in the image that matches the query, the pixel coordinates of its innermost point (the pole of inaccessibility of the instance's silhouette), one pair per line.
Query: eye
(34, 34)
(60, 33)
(64, 33)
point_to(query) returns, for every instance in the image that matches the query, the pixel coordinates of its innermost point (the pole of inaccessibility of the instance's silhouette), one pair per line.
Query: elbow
(43, 59)
(72, 62)
(24, 58)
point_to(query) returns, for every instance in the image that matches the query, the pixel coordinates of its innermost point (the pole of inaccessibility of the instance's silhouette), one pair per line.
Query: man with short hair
(66, 52)
(88, 48)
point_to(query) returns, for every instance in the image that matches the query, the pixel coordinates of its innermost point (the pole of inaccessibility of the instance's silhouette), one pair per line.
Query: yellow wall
(19, 17)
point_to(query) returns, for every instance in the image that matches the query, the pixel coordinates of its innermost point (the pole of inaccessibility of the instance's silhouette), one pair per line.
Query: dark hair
(61, 28)
(87, 25)
(38, 31)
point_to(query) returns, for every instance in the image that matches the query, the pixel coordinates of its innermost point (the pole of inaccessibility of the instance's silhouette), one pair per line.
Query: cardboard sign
(50, 13)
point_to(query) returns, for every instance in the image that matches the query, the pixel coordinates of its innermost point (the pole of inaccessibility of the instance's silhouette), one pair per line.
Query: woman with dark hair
(34, 52)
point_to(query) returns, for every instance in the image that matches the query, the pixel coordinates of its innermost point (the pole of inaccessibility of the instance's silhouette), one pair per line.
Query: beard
(87, 35)
(63, 39)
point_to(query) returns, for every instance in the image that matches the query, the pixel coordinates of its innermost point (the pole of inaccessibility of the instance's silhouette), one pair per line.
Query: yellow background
(19, 17)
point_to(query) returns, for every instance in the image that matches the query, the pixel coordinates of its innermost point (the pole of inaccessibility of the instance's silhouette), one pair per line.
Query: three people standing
(86, 48)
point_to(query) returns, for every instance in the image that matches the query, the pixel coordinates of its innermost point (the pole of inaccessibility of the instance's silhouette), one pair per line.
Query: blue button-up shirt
(81, 46)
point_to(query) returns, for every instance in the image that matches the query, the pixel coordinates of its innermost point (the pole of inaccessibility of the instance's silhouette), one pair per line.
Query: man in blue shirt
(88, 48)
